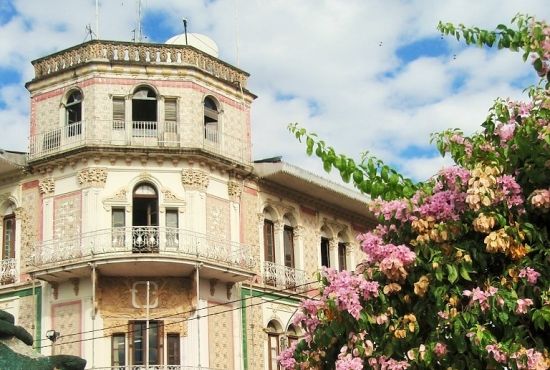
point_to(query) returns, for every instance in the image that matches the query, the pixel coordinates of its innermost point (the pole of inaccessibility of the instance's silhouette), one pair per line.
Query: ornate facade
(139, 227)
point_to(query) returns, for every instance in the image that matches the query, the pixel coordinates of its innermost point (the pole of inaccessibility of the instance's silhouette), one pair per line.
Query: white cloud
(332, 55)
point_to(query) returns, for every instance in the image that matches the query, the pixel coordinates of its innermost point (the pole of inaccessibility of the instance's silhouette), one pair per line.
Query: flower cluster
(286, 358)
(347, 289)
(481, 186)
(509, 191)
(530, 274)
(481, 296)
(385, 363)
(541, 199)
(500, 241)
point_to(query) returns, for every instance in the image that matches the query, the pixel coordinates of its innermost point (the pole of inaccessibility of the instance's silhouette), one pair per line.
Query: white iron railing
(153, 367)
(151, 240)
(137, 134)
(284, 277)
(8, 271)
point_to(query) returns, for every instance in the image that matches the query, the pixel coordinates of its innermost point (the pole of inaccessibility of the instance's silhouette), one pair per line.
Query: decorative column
(91, 180)
(195, 181)
(46, 187)
(234, 191)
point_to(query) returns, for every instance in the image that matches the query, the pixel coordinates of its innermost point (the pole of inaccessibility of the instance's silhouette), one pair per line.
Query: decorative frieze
(92, 176)
(46, 185)
(234, 190)
(194, 179)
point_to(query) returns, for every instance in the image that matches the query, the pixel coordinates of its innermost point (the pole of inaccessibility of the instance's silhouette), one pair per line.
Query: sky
(365, 75)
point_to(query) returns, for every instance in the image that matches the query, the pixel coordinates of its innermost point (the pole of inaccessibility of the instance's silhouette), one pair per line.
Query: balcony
(284, 277)
(154, 367)
(136, 134)
(142, 251)
(8, 271)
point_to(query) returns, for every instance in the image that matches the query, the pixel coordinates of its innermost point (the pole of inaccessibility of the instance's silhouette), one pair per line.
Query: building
(139, 228)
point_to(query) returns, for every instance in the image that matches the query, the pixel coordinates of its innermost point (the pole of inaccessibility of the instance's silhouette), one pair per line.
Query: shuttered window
(170, 110)
(118, 113)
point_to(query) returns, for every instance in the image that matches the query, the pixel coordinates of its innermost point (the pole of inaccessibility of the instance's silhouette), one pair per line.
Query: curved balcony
(8, 271)
(136, 134)
(142, 251)
(284, 277)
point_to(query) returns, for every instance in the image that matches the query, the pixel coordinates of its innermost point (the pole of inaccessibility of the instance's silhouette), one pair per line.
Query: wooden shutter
(170, 110)
(119, 115)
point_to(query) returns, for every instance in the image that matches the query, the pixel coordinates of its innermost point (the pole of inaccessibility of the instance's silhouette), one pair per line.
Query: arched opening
(293, 334)
(73, 113)
(342, 252)
(144, 112)
(7, 263)
(145, 218)
(325, 247)
(273, 330)
(211, 129)
(288, 241)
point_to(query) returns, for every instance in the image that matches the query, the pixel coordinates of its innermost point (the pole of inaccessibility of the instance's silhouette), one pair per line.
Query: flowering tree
(456, 273)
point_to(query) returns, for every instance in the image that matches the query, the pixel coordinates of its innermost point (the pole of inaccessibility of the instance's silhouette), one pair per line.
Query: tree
(456, 273)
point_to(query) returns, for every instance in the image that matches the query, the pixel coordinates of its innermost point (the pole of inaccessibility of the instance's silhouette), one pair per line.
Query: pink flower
(530, 274)
(440, 349)
(497, 354)
(506, 131)
(509, 191)
(286, 358)
(480, 296)
(523, 305)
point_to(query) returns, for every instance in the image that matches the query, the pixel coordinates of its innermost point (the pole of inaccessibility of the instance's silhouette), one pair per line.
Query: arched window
(145, 218)
(325, 247)
(144, 112)
(7, 262)
(342, 249)
(211, 113)
(273, 344)
(288, 240)
(73, 113)
(293, 334)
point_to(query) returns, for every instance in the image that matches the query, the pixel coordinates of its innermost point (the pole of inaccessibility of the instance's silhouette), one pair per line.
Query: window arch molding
(72, 111)
(211, 118)
(144, 100)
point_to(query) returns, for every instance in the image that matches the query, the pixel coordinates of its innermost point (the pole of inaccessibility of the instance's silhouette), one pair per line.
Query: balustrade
(284, 277)
(8, 271)
(135, 134)
(121, 241)
(121, 52)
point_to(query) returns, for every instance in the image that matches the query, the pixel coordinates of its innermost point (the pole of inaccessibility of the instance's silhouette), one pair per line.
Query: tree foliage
(456, 273)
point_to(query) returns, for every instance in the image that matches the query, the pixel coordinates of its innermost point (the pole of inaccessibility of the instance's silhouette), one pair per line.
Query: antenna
(185, 29)
(90, 32)
(138, 28)
(97, 19)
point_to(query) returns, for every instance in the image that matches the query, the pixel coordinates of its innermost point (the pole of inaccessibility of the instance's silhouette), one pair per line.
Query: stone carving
(46, 186)
(170, 197)
(92, 176)
(234, 190)
(194, 179)
(144, 54)
(120, 198)
(117, 298)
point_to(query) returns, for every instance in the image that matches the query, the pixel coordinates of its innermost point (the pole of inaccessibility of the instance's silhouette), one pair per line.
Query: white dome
(201, 42)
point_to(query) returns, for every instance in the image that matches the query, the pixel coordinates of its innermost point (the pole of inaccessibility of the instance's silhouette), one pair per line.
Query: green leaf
(452, 273)
(464, 273)
(309, 144)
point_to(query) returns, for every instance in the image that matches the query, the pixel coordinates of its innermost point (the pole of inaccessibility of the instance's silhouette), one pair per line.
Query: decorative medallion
(93, 176)
(234, 190)
(46, 185)
(194, 179)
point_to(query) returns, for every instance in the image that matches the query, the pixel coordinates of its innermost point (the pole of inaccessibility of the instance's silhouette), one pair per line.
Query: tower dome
(201, 42)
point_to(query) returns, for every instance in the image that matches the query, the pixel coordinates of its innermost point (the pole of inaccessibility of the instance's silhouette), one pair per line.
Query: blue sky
(363, 74)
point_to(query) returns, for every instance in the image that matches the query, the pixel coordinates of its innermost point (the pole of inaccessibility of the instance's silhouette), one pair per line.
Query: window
(173, 349)
(138, 345)
(325, 252)
(288, 237)
(8, 237)
(119, 114)
(172, 234)
(170, 115)
(342, 265)
(118, 349)
(118, 223)
(210, 120)
(273, 343)
(292, 335)
(269, 241)
(144, 112)
(73, 111)
(145, 219)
